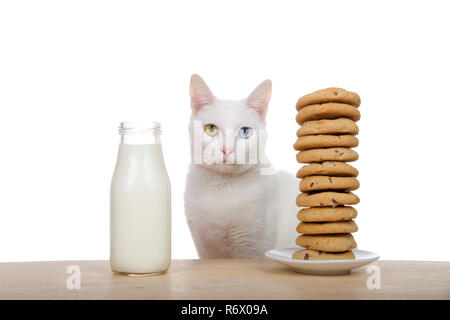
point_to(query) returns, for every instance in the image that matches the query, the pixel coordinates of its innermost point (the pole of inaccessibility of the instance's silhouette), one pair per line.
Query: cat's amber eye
(211, 129)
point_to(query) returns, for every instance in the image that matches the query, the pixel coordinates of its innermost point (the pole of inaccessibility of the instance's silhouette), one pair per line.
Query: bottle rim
(132, 127)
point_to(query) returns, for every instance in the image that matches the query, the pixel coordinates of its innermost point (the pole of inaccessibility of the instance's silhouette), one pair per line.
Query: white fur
(237, 210)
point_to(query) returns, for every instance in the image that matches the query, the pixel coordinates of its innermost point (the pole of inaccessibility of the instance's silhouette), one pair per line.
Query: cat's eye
(245, 132)
(211, 129)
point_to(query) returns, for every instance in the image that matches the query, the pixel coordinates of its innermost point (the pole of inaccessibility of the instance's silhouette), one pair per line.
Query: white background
(70, 71)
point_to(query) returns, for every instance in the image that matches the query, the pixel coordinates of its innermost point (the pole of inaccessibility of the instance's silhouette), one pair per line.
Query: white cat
(236, 207)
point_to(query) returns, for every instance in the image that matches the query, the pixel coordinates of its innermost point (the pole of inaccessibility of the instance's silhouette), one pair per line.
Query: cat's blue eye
(245, 132)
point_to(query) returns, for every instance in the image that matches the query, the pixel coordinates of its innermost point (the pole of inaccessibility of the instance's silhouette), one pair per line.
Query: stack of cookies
(327, 134)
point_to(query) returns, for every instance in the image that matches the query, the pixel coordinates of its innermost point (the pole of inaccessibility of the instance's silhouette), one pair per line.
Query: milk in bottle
(140, 221)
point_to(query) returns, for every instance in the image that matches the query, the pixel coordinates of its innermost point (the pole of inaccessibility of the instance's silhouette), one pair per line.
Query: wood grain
(223, 279)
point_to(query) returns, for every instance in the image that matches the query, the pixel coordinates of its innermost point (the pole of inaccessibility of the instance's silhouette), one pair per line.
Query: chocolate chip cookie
(338, 242)
(325, 141)
(334, 126)
(324, 214)
(327, 111)
(328, 168)
(326, 199)
(327, 227)
(327, 154)
(329, 95)
(315, 183)
(309, 254)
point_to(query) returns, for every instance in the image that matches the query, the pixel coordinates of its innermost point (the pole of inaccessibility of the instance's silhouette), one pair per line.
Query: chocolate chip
(329, 178)
(334, 201)
(306, 256)
(312, 183)
(335, 93)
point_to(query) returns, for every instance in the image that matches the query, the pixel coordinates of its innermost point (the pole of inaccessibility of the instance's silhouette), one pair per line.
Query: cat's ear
(260, 97)
(201, 95)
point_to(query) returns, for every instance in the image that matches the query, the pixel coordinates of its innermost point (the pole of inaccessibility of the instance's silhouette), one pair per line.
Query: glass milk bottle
(140, 222)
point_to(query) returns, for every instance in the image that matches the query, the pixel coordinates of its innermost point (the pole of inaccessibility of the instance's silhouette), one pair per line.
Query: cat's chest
(230, 198)
(226, 201)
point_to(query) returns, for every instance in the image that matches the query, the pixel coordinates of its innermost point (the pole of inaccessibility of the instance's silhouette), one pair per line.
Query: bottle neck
(136, 133)
(140, 139)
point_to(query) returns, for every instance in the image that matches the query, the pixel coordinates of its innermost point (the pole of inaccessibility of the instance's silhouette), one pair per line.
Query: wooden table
(223, 279)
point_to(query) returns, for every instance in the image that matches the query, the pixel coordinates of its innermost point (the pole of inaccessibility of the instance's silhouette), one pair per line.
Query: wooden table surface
(223, 279)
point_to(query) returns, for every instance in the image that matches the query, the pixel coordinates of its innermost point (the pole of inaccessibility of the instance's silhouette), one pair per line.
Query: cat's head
(228, 136)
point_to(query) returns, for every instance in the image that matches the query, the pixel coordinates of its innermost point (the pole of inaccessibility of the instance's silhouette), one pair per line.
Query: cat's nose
(226, 153)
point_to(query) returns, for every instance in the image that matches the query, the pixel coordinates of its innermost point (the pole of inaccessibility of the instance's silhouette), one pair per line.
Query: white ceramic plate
(284, 256)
